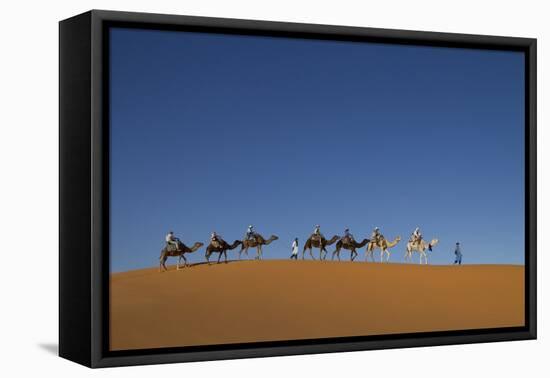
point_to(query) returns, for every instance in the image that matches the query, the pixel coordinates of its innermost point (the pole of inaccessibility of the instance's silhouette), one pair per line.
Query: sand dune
(280, 300)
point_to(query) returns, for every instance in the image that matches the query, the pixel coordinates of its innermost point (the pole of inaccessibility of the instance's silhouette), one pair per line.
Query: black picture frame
(84, 183)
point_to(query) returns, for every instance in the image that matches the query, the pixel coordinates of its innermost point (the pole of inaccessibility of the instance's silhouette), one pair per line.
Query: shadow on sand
(212, 263)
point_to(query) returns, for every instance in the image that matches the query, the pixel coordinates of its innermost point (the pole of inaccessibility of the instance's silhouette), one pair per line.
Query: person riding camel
(172, 240)
(317, 233)
(376, 236)
(215, 239)
(348, 235)
(250, 233)
(416, 236)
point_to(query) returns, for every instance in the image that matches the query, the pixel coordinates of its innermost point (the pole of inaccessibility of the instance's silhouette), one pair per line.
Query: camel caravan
(175, 248)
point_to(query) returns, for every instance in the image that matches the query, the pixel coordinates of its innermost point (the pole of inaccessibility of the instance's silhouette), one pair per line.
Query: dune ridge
(270, 300)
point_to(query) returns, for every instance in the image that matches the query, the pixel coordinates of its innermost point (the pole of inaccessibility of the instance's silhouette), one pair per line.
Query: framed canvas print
(234, 188)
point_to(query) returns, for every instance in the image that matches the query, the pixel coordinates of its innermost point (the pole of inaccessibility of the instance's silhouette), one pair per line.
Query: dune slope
(280, 300)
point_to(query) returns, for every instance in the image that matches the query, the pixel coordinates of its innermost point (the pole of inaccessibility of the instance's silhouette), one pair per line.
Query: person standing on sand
(458, 254)
(294, 254)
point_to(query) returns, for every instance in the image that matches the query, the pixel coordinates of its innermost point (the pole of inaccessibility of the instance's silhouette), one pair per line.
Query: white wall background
(29, 189)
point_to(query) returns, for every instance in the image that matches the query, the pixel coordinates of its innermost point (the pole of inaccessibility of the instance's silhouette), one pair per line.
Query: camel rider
(348, 235)
(416, 236)
(376, 235)
(250, 233)
(317, 232)
(172, 240)
(215, 237)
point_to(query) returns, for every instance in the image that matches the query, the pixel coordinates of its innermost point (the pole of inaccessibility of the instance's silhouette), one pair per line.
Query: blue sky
(215, 132)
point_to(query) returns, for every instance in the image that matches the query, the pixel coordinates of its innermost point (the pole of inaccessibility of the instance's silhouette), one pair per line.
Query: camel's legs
(369, 252)
(225, 255)
(184, 259)
(303, 253)
(311, 253)
(258, 253)
(421, 253)
(245, 249)
(178, 264)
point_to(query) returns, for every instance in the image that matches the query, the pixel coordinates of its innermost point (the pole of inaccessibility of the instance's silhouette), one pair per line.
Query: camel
(384, 245)
(257, 243)
(420, 248)
(221, 247)
(183, 249)
(313, 242)
(345, 243)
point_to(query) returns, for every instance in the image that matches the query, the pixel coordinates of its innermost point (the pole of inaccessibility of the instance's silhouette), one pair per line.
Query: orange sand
(281, 300)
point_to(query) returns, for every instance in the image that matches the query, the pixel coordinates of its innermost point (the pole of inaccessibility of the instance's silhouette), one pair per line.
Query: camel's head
(398, 239)
(199, 244)
(434, 242)
(274, 237)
